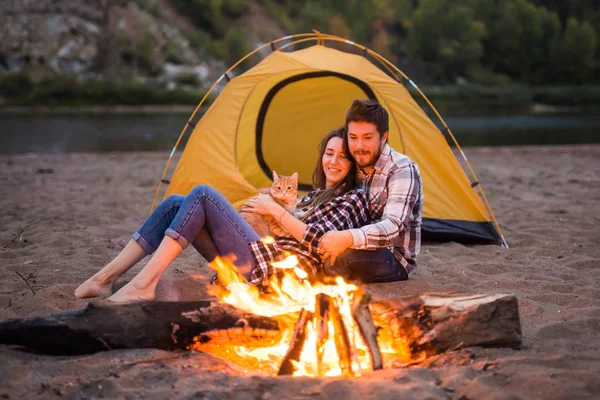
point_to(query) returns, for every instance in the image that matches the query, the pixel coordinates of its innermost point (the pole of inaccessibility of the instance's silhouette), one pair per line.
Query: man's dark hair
(368, 111)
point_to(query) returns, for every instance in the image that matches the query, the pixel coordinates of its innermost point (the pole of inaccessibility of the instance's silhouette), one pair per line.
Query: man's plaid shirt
(396, 206)
(347, 211)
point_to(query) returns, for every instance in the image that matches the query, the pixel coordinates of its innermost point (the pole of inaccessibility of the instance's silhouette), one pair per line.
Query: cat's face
(285, 188)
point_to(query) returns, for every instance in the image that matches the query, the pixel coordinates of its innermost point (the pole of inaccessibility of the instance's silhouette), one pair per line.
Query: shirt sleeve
(345, 212)
(403, 190)
(264, 254)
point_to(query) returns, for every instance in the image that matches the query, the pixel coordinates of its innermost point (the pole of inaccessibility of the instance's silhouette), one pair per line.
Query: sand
(76, 211)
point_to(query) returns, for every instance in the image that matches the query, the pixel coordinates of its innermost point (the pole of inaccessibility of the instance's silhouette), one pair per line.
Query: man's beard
(371, 160)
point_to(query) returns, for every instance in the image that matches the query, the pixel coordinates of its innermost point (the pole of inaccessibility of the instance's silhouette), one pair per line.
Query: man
(387, 249)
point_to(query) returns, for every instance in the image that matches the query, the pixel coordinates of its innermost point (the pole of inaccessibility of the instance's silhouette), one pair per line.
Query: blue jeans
(368, 266)
(205, 219)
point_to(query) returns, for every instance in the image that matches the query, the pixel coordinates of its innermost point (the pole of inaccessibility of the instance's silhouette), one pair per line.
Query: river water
(61, 133)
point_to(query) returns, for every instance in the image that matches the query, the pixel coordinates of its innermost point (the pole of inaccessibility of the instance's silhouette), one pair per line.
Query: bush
(482, 76)
(235, 8)
(69, 91)
(573, 96)
(17, 84)
(187, 78)
(236, 45)
(471, 93)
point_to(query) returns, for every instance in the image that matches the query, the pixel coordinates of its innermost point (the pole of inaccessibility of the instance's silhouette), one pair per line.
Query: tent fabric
(273, 116)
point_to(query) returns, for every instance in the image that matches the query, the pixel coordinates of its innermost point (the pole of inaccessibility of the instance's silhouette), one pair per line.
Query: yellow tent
(273, 116)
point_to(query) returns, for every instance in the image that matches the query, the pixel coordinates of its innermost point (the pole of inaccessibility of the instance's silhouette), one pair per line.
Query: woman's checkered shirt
(347, 211)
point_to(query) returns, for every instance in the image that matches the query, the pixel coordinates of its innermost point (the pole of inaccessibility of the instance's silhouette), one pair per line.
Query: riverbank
(20, 94)
(65, 216)
(534, 109)
(116, 109)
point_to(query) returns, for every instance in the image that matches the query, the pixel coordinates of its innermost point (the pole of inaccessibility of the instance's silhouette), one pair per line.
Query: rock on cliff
(110, 37)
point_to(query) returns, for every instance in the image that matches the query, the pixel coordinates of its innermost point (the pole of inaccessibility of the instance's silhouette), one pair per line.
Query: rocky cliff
(108, 37)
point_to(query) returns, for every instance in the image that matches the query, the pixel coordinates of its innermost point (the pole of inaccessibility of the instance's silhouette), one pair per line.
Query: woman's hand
(334, 243)
(263, 205)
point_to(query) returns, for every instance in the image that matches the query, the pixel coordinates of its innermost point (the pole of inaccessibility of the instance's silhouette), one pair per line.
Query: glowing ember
(333, 348)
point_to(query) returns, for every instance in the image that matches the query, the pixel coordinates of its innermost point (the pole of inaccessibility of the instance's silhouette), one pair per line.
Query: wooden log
(323, 303)
(429, 322)
(162, 325)
(368, 330)
(341, 339)
(438, 322)
(296, 344)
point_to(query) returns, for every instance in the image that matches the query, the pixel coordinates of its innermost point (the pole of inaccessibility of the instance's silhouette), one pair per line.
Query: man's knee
(341, 265)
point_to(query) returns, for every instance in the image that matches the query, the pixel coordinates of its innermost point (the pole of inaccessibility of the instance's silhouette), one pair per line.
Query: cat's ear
(294, 176)
(275, 176)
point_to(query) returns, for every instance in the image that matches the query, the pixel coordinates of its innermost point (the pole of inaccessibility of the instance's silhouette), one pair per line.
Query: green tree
(313, 15)
(236, 45)
(576, 53)
(515, 37)
(446, 35)
(207, 15)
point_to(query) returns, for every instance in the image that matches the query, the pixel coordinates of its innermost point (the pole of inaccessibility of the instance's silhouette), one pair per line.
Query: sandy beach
(63, 217)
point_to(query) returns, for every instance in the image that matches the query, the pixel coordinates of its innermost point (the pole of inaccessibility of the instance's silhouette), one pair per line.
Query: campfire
(326, 327)
(330, 328)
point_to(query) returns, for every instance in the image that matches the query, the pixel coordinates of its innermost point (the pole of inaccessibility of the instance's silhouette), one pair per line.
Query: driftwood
(162, 325)
(437, 323)
(428, 322)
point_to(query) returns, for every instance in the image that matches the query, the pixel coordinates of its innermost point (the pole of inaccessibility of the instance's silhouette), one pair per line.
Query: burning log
(296, 344)
(362, 316)
(427, 322)
(161, 325)
(341, 339)
(436, 323)
(322, 326)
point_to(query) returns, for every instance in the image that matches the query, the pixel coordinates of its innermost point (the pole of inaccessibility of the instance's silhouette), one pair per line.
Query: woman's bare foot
(94, 287)
(129, 293)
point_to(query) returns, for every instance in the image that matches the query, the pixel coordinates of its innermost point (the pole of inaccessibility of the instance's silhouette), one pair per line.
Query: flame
(285, 298)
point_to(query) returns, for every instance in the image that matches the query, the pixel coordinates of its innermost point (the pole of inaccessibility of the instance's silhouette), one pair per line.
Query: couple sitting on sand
(362, 221)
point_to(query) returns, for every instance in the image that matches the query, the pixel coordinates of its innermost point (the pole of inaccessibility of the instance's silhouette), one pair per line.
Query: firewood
(341, 340)
(322, 327)
(437, 323)
(296, 344)
(368, 331)
(161, 325)
(433, 323)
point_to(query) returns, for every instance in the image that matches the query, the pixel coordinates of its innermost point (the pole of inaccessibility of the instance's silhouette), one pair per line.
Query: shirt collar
(383, 157)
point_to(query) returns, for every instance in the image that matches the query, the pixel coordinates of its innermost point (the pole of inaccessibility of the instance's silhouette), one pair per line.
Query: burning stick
(322, 326)
(342, 341)
(362, 316)
(296, 344)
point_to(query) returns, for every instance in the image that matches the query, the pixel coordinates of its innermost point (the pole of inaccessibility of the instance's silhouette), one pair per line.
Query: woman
(211, 224)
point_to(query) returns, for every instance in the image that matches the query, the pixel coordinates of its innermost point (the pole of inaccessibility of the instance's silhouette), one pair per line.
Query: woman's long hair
(318, 178)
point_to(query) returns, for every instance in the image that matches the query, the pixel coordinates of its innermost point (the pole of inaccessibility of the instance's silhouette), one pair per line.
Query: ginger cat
(285, 192)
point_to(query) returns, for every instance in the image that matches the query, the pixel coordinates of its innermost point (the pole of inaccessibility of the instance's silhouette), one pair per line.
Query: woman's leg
(145, 241)
(203, 208)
